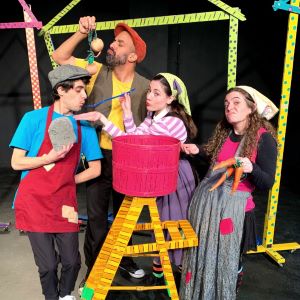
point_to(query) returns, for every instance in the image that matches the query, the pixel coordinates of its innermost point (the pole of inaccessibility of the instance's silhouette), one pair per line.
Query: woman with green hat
(168, 114)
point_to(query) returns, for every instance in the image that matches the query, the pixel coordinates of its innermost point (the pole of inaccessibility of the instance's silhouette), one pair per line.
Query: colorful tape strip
(15, 25)
(27, 9)
(50, 48)
(33, 68)
(152, 21)
(285, 6)
(58, 16)
(231, 10)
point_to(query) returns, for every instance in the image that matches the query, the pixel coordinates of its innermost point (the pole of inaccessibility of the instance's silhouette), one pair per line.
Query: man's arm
(93, 171)
(19, 160)
(64, 53)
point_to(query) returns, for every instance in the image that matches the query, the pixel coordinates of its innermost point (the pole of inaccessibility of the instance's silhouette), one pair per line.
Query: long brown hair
(223, 128)
(178, 109)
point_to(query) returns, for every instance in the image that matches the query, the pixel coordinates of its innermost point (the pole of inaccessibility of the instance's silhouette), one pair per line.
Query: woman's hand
(125, 102)
(86, 24)
(246, 164)
(189, 148)
(92, 116)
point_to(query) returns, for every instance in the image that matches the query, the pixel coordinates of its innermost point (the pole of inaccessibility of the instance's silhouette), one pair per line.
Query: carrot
(237, 177)
(225, 163)
(224, 176)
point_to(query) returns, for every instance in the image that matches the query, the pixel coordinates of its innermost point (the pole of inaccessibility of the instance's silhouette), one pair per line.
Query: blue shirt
(30, 134)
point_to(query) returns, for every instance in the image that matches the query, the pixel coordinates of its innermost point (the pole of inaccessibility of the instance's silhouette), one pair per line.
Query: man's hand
(86, 24)
(54, 156)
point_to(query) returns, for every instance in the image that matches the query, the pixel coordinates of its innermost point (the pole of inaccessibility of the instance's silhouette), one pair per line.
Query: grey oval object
(61, 133)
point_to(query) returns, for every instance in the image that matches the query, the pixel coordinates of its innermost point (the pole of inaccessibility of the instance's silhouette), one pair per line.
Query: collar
(235, 137)
(162, 114)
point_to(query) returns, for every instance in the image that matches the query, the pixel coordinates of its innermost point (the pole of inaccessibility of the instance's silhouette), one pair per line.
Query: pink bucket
(145, 165)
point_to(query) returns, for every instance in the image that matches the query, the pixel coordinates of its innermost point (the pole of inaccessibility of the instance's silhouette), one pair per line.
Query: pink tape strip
(15, 25)
(33, 68)
(27, 9)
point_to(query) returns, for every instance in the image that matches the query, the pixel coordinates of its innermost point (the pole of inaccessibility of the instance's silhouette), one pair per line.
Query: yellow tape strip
(232, 52)
(58, 16)
(34, 74)
(269, 229)
(50, 48)
(231, 10)
(151, 21)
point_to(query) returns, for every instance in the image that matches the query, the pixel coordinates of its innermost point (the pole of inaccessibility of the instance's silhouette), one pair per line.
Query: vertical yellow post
(282, 123)
(50, 48)
(270, 217)
(232, 51)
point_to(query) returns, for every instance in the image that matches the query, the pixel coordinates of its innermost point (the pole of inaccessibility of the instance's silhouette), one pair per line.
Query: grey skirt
(210, 270)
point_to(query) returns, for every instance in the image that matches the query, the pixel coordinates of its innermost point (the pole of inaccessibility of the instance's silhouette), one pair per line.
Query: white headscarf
(265, 107)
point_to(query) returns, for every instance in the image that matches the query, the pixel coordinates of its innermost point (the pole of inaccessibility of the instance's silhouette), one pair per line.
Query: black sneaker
(130, 267)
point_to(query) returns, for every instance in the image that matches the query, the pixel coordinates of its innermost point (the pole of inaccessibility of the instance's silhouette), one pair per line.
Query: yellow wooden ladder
(99, 282)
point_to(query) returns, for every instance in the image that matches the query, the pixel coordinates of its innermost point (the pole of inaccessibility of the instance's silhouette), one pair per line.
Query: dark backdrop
(197, 52)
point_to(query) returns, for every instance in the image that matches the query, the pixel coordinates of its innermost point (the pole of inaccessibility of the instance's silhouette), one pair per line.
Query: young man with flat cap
(47, 147)
(118, 76)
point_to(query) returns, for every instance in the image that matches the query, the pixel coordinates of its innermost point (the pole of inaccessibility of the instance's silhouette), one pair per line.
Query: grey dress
(210, 270)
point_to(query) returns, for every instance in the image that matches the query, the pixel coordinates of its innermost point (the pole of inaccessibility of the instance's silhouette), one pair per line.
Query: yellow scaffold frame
(233, 15)
(269, 227)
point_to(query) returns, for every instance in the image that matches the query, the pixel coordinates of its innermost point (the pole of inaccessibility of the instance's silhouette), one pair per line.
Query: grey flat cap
(66, 72)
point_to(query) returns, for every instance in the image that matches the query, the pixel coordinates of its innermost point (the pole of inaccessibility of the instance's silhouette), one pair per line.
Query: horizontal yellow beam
(286, 246)
(151, 21)
(272, 252)
(276, 247)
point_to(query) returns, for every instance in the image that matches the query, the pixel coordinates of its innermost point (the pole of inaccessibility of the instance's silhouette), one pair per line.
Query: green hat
(178, 90)
(67, 72)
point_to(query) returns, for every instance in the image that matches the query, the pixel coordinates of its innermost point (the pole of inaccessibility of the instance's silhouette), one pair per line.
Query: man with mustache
(118, 76)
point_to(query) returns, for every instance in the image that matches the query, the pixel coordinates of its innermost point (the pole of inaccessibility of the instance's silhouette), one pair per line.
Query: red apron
(46, 200)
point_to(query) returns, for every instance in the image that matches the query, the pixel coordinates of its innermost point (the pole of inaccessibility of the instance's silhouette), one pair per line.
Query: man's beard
(112, 60)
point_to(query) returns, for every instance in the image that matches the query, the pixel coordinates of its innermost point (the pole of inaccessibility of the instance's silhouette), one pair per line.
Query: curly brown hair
(223, 129)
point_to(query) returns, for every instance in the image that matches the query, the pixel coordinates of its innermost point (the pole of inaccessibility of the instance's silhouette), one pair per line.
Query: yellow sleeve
(79, 62)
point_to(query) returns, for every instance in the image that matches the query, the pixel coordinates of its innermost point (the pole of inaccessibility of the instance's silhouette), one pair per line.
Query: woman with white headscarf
(217, 215)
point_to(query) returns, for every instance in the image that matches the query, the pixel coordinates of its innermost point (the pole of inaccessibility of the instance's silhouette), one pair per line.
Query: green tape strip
(232, 52)
(50, 48)
(151, 21)
(58, 16)
(231, 10)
